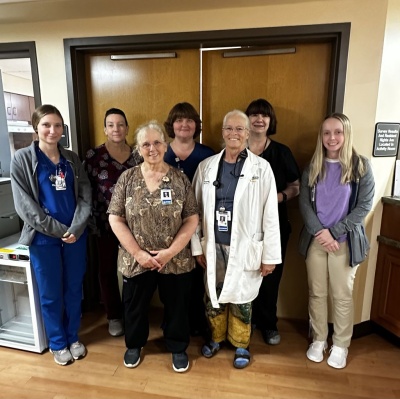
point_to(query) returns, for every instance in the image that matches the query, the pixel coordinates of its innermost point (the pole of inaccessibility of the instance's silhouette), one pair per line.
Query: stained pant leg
(239, 325)
(218, 321)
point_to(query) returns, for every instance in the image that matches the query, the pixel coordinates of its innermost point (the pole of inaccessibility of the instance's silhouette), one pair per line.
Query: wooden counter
(386, 297)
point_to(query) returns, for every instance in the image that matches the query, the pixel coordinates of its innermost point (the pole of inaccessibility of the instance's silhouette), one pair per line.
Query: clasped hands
(324, 238)
(153, 260)
(68, 238)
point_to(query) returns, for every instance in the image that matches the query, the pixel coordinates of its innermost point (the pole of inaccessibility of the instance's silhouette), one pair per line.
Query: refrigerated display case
(21, 324)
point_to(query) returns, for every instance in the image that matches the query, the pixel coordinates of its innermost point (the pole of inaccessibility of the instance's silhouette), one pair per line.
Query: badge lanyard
(222, 215)
(59, 179)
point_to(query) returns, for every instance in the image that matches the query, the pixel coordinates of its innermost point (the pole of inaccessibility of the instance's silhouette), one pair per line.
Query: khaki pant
(329, 274)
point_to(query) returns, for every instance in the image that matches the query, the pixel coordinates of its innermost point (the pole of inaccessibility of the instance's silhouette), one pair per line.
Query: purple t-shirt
(332, 197)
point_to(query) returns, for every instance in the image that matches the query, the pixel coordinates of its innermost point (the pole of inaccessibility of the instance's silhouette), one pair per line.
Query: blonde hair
(347, 155)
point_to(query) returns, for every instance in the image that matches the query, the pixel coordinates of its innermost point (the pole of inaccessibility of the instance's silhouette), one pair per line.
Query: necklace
(157, 176)
(265, 145)
(264, 148)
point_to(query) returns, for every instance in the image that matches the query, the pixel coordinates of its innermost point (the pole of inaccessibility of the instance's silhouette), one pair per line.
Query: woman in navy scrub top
(52, 196)
(183, 126)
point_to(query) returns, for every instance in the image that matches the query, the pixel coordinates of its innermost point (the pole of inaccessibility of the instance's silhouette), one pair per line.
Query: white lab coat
(255, 236)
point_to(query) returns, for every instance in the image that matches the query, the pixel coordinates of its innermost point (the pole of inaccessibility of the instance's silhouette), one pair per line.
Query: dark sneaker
(116, 327)
(132, 357)
(62, 357)
(78, 350)
(271, 337)
(180, 362)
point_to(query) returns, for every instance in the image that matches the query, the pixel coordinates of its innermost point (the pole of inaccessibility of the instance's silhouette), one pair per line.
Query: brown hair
(182, 110)
(43, 110)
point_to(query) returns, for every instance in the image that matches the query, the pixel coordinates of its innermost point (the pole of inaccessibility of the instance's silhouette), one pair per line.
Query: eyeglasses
(146, 146)
(237, 129)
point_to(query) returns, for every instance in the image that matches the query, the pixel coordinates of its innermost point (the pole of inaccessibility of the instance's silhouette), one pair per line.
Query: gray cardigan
(25, 190)
(361, 199)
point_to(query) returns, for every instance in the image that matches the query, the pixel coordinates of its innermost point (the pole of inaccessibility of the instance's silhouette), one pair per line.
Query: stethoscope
(241, 155)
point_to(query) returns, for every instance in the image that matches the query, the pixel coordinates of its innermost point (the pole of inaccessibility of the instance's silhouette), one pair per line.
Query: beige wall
(371, 77)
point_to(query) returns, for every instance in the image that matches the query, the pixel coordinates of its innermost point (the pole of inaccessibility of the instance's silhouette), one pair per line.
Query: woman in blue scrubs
(52, 196)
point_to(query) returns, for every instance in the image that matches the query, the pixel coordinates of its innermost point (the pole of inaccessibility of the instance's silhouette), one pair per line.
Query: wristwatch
(284, 195)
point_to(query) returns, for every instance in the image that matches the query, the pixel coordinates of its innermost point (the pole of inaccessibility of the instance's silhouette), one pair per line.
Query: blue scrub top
(59, 204)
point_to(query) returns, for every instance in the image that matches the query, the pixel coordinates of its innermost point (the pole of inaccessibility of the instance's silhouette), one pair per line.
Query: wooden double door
(295, 83)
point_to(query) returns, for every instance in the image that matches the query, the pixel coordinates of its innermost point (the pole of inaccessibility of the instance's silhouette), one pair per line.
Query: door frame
(24, 50)
(76, 49)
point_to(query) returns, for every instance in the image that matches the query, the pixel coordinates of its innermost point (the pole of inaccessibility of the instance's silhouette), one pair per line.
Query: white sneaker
(316, 351)
(338, 356)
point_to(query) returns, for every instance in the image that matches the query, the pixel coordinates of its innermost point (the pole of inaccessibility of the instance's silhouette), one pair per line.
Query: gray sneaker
(116, 327)
(271, 337)
(62, 357)
(77, 350)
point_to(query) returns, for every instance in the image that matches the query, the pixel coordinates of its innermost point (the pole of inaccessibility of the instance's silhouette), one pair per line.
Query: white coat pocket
(254, 253)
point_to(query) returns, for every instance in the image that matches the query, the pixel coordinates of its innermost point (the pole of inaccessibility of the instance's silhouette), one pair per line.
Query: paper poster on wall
(386, 140)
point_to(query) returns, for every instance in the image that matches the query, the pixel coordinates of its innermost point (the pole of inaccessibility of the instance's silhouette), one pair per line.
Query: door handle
(14, 110)
(9, 110)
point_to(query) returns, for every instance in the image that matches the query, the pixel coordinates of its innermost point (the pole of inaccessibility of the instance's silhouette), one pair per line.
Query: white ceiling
(14, 11)
(19, 67)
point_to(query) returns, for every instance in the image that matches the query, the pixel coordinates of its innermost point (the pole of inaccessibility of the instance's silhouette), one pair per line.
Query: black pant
(174, 291)
(107, 246)
(197, 312)
(265, 305)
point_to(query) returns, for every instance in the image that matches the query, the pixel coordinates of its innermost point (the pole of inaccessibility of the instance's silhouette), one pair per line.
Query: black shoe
(180, 362)
(132, 357)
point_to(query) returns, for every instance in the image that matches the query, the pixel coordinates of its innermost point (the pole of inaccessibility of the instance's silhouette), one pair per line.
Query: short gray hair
(143, 129)
(237, 112)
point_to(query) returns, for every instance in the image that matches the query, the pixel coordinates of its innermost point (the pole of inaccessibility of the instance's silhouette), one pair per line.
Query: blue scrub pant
(59, 270)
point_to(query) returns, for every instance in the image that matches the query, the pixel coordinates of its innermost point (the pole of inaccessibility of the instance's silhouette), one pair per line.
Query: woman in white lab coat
(237, 240)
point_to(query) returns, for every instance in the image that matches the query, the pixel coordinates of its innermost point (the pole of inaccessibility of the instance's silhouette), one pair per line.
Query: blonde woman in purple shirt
(336, 194)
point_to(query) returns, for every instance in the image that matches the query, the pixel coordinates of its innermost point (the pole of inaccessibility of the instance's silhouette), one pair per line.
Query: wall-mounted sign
(386, 139)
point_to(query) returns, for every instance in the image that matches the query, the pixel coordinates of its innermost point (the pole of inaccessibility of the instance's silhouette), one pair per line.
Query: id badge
(166, 196)
(222, 220)
(60, 182)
